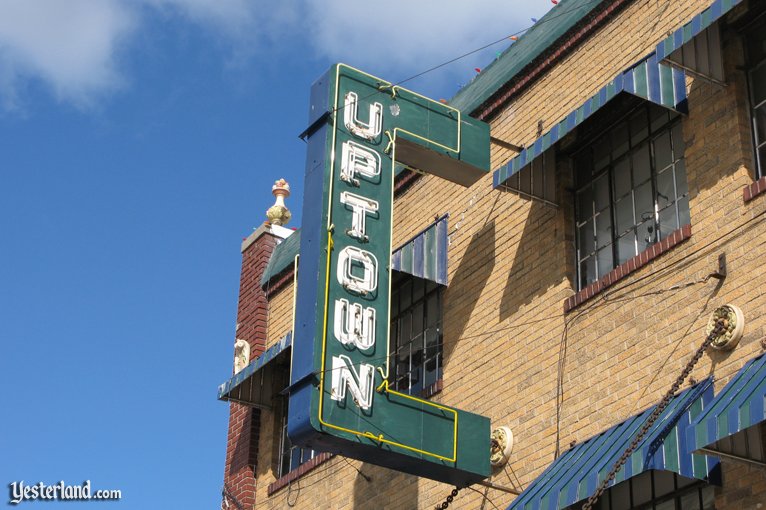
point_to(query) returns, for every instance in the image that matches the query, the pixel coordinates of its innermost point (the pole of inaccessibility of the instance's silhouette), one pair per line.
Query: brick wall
(252, 321)
(511, 270)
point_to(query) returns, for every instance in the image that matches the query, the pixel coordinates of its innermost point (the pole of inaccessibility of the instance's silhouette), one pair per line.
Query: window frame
(752, 107)
(401, 307)
(597, 166)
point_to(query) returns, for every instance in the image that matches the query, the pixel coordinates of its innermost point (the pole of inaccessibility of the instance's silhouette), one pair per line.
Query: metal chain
(720, 327)
(448, 499)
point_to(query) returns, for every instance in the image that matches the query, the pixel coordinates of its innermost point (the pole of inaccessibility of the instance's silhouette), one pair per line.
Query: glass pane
(601, 154)
(638, 131)
(621, 178)
(668, 221)
(758, 83)
(417, 325)
(708, 498)
(642, 488)
(432, 310)
(646, 235)
(584, 204)
(667, 505)
(684, 218)
(405, 294)
(663, 483)
(659, 117)
(601, 191)
(621, 496)
(760, 124)
(690, 501)
(603, 229)
(587, 271)
(620, 140)
(678, 141)
(762, 161)
(756, 46)
(662, 153)
(585, 239)
(394, 303)
(666, 192)
(626, 248)
(642, 197)
(642, 170)
(418, 289)
(583, 167)
(681, 187)
(624, 214)
(604, 257)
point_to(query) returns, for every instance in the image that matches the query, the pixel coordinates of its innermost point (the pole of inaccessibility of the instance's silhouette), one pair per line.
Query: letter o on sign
(357, 270)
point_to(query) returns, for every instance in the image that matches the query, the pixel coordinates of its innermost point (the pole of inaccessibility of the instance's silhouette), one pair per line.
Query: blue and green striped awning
(246, 387)
(425, 255)
(727, 426)
(648, 79)
(575, 475)
(694, 27)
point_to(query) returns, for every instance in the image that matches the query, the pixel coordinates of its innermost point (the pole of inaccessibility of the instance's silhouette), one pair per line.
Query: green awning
(258, 383)
(424, 255)
(648, 79)
(575, 475)
(733, 424)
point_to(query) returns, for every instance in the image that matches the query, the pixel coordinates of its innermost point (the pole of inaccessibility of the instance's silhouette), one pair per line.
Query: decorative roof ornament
(279, 214)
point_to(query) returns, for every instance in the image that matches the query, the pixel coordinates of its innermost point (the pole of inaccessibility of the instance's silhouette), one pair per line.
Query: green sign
(343, 333)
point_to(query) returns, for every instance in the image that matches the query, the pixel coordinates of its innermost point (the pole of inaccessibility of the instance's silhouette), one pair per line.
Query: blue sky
(138, 144)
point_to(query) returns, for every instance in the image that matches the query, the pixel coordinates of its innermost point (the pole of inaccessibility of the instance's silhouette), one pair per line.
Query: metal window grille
(416, 334)
(290, 456)
(657, 490)
(631, 190)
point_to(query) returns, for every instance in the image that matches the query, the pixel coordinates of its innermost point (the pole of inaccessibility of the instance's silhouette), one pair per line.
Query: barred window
(631, 190)
(656, 490)
(756, 57)
(290, 456)
(416, 334)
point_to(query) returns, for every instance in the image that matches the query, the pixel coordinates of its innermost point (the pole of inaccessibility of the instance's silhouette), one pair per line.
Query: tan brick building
(628, 154)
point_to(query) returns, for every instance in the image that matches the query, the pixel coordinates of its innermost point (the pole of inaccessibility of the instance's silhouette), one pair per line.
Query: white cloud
(71, 46)
(74, 46)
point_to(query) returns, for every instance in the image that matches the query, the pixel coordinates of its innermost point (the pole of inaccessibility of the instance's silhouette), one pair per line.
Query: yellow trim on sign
(384, 386)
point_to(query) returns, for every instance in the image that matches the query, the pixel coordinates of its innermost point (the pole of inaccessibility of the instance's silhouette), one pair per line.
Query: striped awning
(425, 255)
(575, 475)
(255, 385)
(728, 426)
(694, 27)
(648, 79)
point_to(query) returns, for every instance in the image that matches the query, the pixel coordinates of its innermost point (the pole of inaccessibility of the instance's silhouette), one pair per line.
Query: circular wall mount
(501, 446)
(734, 322)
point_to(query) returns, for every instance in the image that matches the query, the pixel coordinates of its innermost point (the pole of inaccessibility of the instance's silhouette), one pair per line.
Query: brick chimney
(252, 315)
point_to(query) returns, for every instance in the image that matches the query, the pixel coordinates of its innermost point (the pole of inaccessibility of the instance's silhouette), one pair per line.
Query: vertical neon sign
(340, 400)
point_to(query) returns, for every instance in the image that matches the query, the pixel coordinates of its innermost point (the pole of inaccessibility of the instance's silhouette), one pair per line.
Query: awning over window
(732, 425)
(648, 79)
(696, 46)
(575, 475)
(256, 384)
(425, 255)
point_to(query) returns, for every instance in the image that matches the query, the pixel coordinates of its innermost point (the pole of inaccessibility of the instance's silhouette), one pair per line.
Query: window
(416, 334)
(290, 456)
(631, 190)
(657, 490)
(756, 56)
